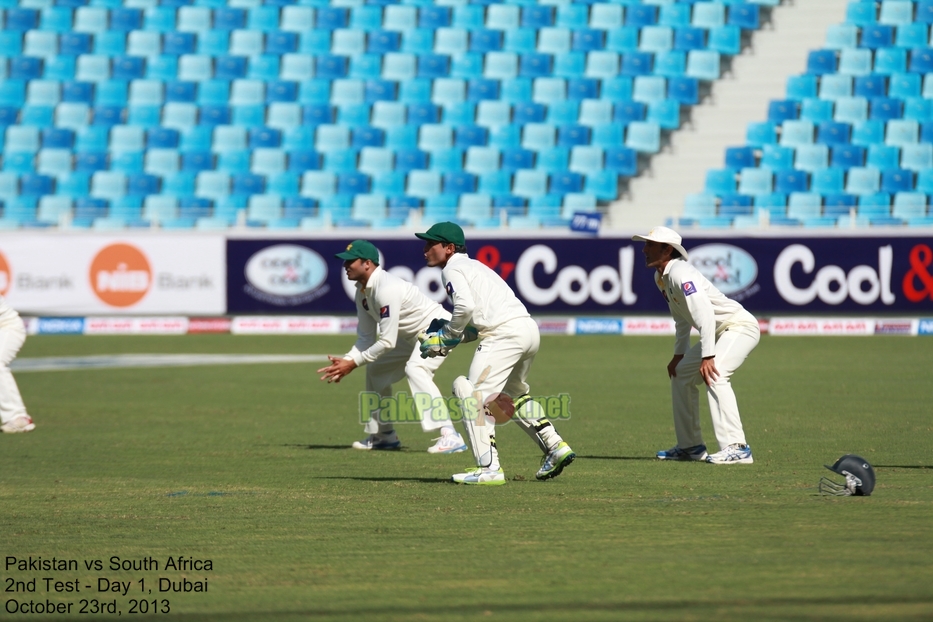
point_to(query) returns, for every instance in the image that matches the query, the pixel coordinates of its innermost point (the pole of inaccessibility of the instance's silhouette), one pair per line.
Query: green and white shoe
(480, 477)
(555, 461)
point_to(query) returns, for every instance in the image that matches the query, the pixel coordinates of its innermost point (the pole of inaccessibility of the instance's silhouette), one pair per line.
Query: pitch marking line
(115, 361)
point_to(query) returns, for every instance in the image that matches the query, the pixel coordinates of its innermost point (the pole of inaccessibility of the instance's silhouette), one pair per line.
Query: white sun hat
(664, 236)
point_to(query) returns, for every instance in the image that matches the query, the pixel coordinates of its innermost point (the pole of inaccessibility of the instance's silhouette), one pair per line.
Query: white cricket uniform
(727, 331)
(391, 313)
(12, 337)
(509, 338)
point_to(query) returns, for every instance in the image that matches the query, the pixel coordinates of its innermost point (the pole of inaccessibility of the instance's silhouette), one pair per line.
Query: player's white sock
(447, 430)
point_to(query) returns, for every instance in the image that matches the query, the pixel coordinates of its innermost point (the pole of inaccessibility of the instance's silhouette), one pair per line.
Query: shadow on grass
(904, 466)
(694, 608)
(341, 448)
(423, 480)
(648, 458)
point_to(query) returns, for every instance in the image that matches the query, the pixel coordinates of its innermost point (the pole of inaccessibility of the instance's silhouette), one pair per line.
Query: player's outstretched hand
(338, 368)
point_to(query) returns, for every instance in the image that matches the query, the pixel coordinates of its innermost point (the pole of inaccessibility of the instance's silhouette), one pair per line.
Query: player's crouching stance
(13, 416)
(400, 312)
(728, 334)
(509, 342)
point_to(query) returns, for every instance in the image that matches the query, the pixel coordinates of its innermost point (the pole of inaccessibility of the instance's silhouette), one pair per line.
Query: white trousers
(405, 361)
(12, 337)
(732, 348)
(503, 359)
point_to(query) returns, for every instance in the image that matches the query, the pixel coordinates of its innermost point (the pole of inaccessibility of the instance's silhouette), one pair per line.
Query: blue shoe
(379, 442)
(733, 454)
(697, 452)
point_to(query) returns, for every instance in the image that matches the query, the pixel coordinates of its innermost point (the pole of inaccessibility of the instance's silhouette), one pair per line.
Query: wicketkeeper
(509, 340)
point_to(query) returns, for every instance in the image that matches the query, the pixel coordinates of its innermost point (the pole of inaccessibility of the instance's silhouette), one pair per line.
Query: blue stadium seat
(883, 156)
(515, 159)
(868, 133)
(777, 158)
(901, 132)
(641, 15)
(623, 39)
(847, 156)
(917, 157)
(687, 39)
(840, 36)
(862, 180)
(897, 180)
(720, 182)
(755, 181)
(861, 13)
(747, 16)
(834, 133)
(896, 12)
(827, 181)
(638, 64)
(789, 181)
(812, 157)
(821, 62)
(855, 62)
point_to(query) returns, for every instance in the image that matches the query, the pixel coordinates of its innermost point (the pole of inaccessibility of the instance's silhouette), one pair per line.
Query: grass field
(249, 466)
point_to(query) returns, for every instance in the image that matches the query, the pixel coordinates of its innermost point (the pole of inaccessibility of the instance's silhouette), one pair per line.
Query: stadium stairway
(758, 75)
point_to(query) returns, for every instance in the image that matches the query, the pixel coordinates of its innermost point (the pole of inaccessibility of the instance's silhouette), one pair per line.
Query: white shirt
(7, 314)
(695, 302)
(480, 297)
(396, 308)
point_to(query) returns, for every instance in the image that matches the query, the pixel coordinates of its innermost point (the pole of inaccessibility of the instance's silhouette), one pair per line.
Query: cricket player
(13, 416)
(391, 313)
(728, 333)
(509, 340)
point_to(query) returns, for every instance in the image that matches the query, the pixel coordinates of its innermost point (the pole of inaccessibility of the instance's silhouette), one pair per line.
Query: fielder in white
(509, 340)
(391, 313)
(728, 333)
(13, 416)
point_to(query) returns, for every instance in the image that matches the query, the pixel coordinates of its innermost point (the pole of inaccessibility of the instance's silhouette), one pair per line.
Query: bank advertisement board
(64, 275)
(606, 275)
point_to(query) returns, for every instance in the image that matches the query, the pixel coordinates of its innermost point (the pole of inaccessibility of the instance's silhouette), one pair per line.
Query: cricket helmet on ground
(860, 477)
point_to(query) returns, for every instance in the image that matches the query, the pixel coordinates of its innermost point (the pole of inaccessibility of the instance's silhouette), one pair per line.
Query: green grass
(249, 466)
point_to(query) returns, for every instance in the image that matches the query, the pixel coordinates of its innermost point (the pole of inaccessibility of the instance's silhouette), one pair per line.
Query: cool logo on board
(4, 275)
(286, 275)
(731, 269)
(606, 285)
(831, 284)
(120, 275)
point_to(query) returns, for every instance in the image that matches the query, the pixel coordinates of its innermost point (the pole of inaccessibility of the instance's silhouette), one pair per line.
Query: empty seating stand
(187, 112)
(854, 135)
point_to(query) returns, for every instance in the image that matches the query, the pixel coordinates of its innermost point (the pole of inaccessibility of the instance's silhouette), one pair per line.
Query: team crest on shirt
(365, 304)
(384, 311)
(450, 289)
(689, 288)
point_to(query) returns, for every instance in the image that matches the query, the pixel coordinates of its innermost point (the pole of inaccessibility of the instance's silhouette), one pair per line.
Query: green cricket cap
(446, 232)
(360, 249)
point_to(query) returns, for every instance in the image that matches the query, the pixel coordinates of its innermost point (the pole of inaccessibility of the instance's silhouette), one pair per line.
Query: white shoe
(23, 423)
(554, 463)
(480, 477)
(697, 452)
(733, 454)
(379, 442)
(448, 444)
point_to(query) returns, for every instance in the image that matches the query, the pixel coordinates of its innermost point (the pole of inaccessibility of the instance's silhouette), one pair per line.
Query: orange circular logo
(120, 275)
(6, 275)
